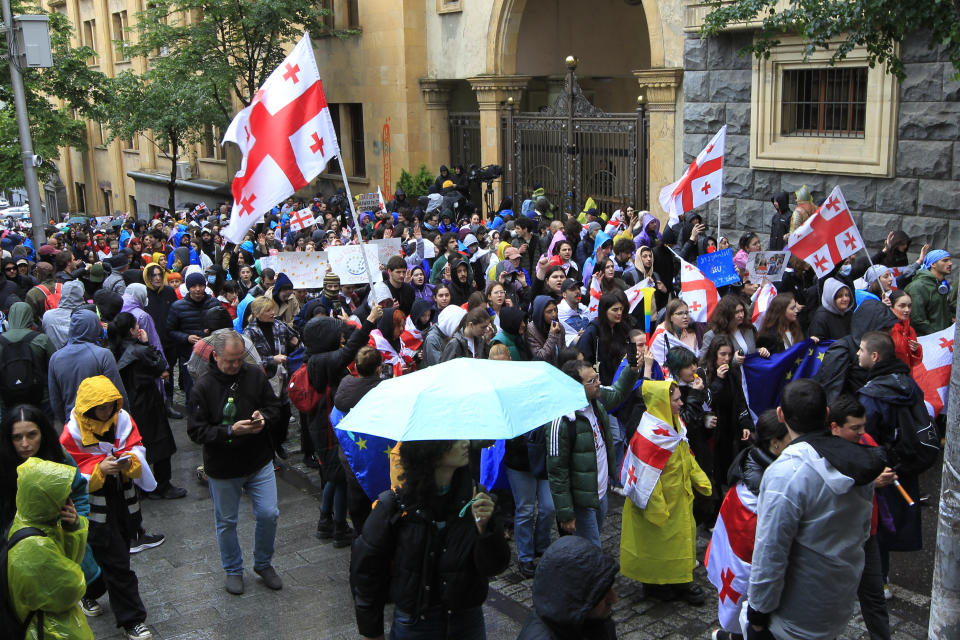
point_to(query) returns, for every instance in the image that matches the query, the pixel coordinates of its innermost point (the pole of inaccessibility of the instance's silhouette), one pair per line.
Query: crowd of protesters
(102, 322)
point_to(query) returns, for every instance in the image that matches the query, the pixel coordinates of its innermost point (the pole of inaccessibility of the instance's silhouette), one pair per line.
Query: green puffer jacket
(932, 311)
(572, 471)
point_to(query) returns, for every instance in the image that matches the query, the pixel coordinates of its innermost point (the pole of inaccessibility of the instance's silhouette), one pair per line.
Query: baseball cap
(511, 253)
(568, 284)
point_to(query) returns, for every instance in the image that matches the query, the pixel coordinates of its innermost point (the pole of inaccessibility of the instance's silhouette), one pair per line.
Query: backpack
(302, 394)
(22, 378)
(536, 442)
(10, 625)
(51, 300)
(917, 443)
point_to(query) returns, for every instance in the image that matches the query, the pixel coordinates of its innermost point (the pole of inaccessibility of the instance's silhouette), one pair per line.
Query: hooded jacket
(590, 265)
(286, 311)
(644, 238)
(511, 318)
(829, 323)
(56, 322)
(658, 543)
(80, 359)
(447, 322)
(841, 371)
(460, 291)
(572, 578)
(780, 222)
(158, 304)
(932, 311)
(44, 571)
(543, 344)
(135, 300)
(186, 319)
(19, 326)
(813, 518)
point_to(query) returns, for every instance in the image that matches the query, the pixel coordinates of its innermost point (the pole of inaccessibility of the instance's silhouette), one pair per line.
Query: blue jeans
(334, 498)
(590, 521)
(531, 525)
(466, 624)
(262, 489)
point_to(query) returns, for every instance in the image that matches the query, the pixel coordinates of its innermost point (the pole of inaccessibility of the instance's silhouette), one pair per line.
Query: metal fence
(464, 138)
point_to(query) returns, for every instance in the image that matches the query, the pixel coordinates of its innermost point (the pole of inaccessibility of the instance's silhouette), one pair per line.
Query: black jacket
(158, 307)
(595, 349)
(840, 371)
(140, 365)
(226, 455)
(351, 390)
(186, 319)
(403, 557)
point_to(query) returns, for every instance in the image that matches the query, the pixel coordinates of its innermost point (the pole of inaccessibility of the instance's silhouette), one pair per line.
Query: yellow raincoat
(658, 544)
(44, 571)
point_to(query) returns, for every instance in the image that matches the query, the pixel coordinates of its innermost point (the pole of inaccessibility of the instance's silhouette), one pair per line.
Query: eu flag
(368, 456)
(765, 378)
(493, 474)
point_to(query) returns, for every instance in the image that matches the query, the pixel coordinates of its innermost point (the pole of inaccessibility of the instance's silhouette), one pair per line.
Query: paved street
(181, 582)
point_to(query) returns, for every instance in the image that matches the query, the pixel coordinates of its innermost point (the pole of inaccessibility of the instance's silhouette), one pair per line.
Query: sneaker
(174, 414)
(310, 462)
(169, 492)
(234, 583)
(201, 475)
(526, 570)
(90, 607)
(138, 631)
(720, 634)
(270, 578)
(887, 592)
(618, 490)
(146, 540)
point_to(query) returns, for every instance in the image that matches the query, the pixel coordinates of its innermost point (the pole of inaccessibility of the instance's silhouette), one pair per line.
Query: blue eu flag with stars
(765, 378)
(368, 456)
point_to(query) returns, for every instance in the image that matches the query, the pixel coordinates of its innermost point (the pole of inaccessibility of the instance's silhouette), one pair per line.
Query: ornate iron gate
(464, 139)
(574, 151)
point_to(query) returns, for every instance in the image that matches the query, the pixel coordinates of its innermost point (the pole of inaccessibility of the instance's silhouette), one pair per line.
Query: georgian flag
(383, 205)
(661, 342)
(389, 354)
(286, 137)
(635, 294)
(650, 448)
(730, 552)
(828, 237)
(302, 219)
(593, 305)
(933, 374)
(702, 182)
(761, 300)
(697, 291)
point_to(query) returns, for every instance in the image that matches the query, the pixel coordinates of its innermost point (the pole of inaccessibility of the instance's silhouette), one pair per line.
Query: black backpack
(10, 626)
(21, 375)
(917, 443)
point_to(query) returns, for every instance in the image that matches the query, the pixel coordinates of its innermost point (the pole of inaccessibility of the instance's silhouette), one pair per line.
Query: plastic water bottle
(229, 413)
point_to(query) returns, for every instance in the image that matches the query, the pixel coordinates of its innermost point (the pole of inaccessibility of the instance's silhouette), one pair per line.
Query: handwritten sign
(368, 202)
(386, 249)
(304, 268)
(767, 264)
(718, 267)
(347, 262)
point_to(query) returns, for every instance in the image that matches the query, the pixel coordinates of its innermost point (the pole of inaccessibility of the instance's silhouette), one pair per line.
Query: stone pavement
(181, 581)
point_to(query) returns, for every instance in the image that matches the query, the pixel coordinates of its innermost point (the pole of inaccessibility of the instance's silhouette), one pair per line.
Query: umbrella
(466, 399)
(77, 220)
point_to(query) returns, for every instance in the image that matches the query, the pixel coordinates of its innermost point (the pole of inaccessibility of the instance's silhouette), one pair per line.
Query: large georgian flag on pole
(697, 291)
(286, 137)
(730, 553)
(828, 237)
(702, 182)
(933, 374)
(650, 448)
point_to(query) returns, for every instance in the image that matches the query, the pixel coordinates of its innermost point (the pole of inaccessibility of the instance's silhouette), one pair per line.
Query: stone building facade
(914, 186)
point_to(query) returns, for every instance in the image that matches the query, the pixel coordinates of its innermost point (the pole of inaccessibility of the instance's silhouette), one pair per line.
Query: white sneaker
(138, 631)
(90, 607)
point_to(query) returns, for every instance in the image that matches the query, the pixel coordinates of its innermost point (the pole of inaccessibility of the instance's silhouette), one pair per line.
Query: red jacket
(902, 333)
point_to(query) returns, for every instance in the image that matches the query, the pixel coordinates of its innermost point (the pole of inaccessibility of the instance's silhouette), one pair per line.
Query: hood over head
(539, 306)
(20, 317)
(782, 200)
(511, 318)
(94, 391)
(385, 324)
(656, 396)
(137, 293)
(449, 320)
(871, 315)
(85, 327)
(71, 295)
(831, 288)
(282, 283)
(571, 579)
(322, 334)
(109, 303)
(420, 306)
(602, 238)
(148, 270)
(42, 488)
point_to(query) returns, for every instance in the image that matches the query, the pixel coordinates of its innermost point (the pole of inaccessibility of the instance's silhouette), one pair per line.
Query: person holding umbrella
(429, 546)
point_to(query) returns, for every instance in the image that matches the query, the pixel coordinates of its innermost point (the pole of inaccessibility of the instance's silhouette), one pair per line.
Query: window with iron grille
(356, 139)
(824, 103)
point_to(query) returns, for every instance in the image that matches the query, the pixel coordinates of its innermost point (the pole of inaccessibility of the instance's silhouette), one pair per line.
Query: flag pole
(356, 224)
(719, 214)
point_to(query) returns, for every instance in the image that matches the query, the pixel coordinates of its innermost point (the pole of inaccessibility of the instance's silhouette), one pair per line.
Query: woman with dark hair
(904, 336)
(780, 329)
(676, 330)
(606, 276)
(386, 339)
(497, 299)
(563, 258)
(140, 365)
(769, 440)
(442, 294)
(729, 415)
(832, 320)
(470, 340)
(749, 243)
(729, 318)
(604, 341)
(545, 334)
(422, 289)
(551, 283)
(430, 547)
(513, 332)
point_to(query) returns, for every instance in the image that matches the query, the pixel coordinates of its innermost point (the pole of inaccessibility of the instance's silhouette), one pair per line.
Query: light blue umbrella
(466, 399)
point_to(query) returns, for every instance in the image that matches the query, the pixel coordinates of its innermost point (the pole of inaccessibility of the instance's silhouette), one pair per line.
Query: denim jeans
(532, 522)
(590, 521)
(466, 624)
(261, 486)
(617, 430)
(334, 498)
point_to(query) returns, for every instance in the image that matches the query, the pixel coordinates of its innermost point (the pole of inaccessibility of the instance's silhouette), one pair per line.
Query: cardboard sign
(386, 249)
(368, 202)
(767, 264)
(304, 268)
(718, 267)
(347, 262)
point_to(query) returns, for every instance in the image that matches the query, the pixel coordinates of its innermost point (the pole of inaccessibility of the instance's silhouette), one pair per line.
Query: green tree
(876, 25)
(70, 78)
(416, 185)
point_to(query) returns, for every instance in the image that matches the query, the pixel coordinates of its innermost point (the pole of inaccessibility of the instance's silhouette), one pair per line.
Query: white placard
(347, 262)
(767, 264)
(368, 202)
(386, 249)
(304, 268)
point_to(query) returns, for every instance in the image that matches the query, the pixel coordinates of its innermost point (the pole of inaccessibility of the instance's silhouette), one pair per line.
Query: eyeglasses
(594, 382)
(10, 268)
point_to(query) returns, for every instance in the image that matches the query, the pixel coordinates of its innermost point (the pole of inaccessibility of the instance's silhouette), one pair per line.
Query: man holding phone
(238, 455)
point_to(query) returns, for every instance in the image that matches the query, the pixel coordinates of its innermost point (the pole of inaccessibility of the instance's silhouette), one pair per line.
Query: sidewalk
(181, 581)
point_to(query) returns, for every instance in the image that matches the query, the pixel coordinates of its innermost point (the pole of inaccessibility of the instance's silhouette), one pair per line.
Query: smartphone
(256, 420)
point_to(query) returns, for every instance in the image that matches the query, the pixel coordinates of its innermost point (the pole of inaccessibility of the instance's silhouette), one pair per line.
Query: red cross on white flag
(286, 137)
(383, 205)
(702, 182)
(635, 295)
(593, 304)
(761, 300)
(933, 374)
(650, 449)
(730, 552)
(698, 292)
(301, 219)
(828, 237)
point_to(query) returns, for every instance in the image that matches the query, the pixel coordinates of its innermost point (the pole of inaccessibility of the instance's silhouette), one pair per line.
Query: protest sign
(386, 249)
(767, 264)
(718, 267)
(368, 202)
(347, 262)
(304, 268)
